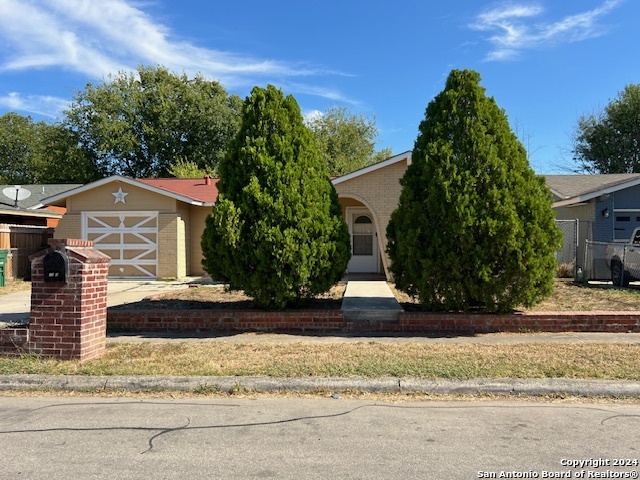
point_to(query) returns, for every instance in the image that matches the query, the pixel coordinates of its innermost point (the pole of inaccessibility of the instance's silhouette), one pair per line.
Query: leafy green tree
(346, 141)
(186, 169)
(17, 145)
(38, 152)
(62, 160)
(137, 124)
(609, 141)
(474, 228)
(276, 230)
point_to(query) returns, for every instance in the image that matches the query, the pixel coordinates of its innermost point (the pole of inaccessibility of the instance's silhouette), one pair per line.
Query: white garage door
(130, 239)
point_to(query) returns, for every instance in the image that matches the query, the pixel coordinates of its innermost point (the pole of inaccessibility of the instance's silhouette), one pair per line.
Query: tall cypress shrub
(276, 231)
(474, 228)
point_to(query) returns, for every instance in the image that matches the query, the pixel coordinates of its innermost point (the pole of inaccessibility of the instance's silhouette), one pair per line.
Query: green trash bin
(3, 265)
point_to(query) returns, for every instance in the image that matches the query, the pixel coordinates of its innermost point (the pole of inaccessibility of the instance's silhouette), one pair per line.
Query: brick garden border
(333, 321)
(16, 341)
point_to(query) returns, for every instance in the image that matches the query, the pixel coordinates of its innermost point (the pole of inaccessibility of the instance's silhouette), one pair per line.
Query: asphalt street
(94, 438)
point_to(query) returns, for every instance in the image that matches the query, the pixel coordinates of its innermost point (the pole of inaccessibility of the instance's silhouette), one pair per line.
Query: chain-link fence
(567, 254)
(618, 262)
(570, 256)
(595, 266)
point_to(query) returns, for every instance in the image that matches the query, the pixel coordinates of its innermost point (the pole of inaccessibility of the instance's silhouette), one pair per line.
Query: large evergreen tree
(474, 228)
(276, 230)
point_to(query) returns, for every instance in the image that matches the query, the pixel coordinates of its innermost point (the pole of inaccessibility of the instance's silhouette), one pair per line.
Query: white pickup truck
(627, 254)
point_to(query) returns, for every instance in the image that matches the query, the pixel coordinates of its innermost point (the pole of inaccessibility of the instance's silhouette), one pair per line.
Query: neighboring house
(24, 231)
(22, 212)
(152, 227)
(608, 206)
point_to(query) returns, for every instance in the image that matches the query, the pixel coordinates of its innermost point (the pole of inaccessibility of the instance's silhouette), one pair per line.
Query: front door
(364, 242)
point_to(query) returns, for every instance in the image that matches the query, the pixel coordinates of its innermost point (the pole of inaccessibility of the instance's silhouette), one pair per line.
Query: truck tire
(619, 277)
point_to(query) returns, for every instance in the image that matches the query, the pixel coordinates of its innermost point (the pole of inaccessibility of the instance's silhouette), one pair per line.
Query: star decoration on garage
(119, 196)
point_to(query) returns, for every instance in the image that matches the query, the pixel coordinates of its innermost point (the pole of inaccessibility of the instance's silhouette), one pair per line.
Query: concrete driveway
(15, 307)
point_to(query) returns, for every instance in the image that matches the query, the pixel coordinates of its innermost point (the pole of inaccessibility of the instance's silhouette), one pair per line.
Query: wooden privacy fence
(22, 241)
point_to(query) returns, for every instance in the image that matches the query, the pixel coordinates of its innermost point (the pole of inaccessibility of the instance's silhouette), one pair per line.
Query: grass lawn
(568, 296)
(366, 359)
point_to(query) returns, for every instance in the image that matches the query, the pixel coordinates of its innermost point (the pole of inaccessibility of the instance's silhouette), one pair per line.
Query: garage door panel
(130, 239)
(98, 223)
(133, 271)
(104, 238)
(139, 254)
(147, 223)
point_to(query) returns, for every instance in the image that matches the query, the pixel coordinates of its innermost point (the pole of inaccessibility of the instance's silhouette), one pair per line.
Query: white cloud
(323, 92)
(102, 38)
(37, 104)
(513, 32)
(311, 115)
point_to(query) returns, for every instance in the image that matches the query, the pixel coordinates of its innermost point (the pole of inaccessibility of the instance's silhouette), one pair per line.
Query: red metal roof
(194, 188)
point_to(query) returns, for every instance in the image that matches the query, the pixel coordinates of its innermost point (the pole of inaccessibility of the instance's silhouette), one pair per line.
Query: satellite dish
(16, 193)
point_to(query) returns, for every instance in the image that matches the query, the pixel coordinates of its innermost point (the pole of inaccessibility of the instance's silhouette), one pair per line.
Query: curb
(532, 387)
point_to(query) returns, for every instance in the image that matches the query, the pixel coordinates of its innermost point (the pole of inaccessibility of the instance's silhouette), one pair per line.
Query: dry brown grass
(13, 286)
(218, 298)
(567, 296)
(362, 359)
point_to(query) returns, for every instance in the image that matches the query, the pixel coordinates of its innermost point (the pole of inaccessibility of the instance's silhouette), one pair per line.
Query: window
(362, 240)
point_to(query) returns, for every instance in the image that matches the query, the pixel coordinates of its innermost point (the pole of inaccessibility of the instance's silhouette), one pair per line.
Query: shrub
(276, 231)
(474, 228)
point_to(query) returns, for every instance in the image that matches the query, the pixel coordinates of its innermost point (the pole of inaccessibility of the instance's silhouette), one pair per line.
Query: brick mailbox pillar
(69, 300)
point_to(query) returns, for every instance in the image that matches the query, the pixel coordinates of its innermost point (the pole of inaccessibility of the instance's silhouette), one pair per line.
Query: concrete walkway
(370, 301)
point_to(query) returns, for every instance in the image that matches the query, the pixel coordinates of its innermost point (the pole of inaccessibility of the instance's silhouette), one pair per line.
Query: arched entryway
(365, 257)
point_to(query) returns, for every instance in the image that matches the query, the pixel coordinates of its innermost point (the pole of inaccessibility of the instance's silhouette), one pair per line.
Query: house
(23, 229)
(607, 206)
(152, 227)
(22, 212)
(368, 197)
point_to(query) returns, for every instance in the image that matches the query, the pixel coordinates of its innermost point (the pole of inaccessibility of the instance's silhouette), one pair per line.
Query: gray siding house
(607, 206)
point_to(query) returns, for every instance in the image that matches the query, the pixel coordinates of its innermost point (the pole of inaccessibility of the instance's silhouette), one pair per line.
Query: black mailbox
(55, 266)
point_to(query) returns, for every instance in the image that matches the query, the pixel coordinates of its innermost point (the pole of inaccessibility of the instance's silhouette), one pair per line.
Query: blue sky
(545, 62)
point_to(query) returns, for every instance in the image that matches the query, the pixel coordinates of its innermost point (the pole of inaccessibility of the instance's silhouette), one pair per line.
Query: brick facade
(69, 226)
(170, 251)
(379, 191)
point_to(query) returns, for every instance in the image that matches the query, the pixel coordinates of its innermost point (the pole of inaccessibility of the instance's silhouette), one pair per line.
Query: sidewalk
(482, 339)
